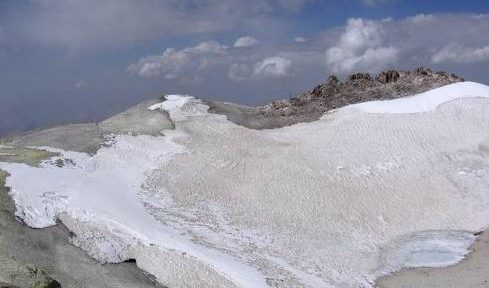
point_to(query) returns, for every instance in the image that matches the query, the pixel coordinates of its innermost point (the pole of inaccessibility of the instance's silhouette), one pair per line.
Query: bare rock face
(360, 87)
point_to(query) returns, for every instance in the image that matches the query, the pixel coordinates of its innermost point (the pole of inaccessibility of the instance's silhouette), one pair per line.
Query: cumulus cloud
(273, 67)
(193, 64)
(181, 64)
(245, 42)
(361, 47)
(268, 68)
(300, 39)
(458, 53)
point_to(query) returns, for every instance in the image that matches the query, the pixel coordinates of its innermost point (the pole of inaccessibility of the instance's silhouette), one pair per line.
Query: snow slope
(426, 101)
(364, 191)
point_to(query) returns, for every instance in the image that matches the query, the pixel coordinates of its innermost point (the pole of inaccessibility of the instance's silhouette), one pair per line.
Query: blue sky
(73, 60)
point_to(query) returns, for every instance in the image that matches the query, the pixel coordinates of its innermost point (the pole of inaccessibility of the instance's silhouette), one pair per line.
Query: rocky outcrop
(360, 87)
(332, 94)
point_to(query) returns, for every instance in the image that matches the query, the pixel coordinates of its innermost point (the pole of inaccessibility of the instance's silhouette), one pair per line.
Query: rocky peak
(360, 87)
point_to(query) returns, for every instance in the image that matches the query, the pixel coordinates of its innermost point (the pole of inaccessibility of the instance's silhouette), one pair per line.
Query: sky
(83, 60)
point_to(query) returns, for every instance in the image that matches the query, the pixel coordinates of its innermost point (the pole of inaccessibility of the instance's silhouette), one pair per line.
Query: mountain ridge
(332, 94)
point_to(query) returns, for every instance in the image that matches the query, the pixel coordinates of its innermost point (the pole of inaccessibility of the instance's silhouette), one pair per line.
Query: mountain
(365, 187)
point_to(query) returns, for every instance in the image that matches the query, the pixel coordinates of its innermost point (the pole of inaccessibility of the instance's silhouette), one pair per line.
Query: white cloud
(245, 42)
(179, 64)
(300, 39)
(273, 67)
(283, 64)
(458, 53)
(361, 47)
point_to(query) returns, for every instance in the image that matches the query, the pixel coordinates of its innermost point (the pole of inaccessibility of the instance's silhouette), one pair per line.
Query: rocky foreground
(334, 94)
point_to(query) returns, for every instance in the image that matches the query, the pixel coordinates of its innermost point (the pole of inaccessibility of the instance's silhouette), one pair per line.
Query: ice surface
(365, 191)
(426, 249)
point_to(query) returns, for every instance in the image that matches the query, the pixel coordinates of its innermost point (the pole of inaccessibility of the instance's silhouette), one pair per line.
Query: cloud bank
(360, 45)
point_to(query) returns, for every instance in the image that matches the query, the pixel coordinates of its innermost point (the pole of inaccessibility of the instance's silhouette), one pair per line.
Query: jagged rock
(388, 76)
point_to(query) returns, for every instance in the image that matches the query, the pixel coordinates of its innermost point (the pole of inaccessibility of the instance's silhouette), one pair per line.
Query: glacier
(367, 190)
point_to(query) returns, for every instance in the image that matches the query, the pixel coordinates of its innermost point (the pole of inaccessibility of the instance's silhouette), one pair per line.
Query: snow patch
(426, 101)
